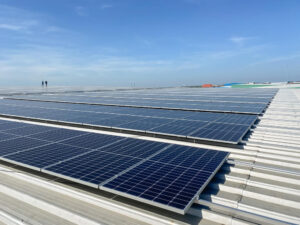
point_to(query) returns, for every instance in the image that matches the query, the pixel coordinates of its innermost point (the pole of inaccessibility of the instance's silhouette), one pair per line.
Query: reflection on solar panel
(164, 175)
(222, 127)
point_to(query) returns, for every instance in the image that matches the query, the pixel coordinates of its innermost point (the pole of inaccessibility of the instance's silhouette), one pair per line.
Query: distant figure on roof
(46, 83)
(42, 83)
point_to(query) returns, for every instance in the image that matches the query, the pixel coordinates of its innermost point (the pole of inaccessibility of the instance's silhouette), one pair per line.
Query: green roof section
(250, 85)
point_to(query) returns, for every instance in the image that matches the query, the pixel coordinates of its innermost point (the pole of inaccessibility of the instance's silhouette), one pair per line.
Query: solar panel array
(165, 175)
(221, 100)
(213, 106)
(221, 127)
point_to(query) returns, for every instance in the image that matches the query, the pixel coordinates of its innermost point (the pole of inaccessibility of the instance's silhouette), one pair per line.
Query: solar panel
(135, 148)
(11, 125)
(91, 140)
(57, 135)
(171, 123)
(94, 167)
(19, 144)
(29, 130)
(4, 136)
(164, 175)
(45, 155)
(241, 107)
(172, 179)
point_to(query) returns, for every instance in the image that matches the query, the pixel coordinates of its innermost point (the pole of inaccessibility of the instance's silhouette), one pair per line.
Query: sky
(148, 43)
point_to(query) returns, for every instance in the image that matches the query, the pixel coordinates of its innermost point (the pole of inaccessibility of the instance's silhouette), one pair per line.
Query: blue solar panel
(168, 176)
(92, 140)
(41, 157)
(11, 125)
(190, 157)
(19, 144)
(171, 179)
(94, 167)
(173, 130)
(4, 136)
(255, 108)
(187, 124)
(58, 134)
(221, 132)
(29, 130)
(167, 186)
(135, 148)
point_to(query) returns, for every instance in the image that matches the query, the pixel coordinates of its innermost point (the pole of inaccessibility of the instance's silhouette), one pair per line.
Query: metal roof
(259, 184)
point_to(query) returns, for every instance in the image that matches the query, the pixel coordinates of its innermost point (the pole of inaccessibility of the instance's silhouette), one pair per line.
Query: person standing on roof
(46, 83)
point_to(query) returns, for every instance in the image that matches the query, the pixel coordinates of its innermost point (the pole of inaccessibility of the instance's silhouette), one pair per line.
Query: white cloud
(19, 25)
(10, 27)
(80, 11)
(106, 6)
(278, 59)
(239, 40)
(54, 29)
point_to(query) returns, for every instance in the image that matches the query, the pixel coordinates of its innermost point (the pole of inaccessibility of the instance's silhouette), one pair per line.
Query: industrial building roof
(259, 184)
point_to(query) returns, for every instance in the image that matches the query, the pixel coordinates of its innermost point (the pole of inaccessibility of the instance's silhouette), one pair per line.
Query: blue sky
(148, 42)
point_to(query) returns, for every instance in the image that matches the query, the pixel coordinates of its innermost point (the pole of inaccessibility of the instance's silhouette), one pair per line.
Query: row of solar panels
(221, 127)
(247, 108)
(257, 92)
(192, 98)
(165, 175)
